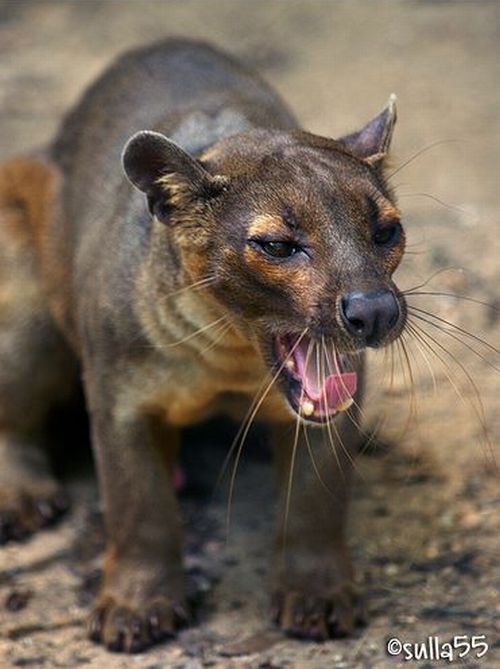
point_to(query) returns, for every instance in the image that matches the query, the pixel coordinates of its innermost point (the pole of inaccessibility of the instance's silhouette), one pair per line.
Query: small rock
(447, 519)
(432, 551)
(391, 569)
(17, 600)
(34, 661)
(470, 519)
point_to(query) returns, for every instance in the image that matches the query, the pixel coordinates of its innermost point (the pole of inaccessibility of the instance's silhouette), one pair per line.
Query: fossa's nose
(370, 316)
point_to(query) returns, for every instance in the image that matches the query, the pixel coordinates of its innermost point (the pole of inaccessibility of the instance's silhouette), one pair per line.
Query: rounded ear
(168, 175)
(372, 142)
(148, 156)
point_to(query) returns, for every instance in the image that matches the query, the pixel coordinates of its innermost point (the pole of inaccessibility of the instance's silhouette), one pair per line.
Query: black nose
(370, 316)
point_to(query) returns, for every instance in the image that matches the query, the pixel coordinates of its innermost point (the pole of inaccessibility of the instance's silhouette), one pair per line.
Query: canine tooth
(290, 364)
(307, 408)
(345, 405)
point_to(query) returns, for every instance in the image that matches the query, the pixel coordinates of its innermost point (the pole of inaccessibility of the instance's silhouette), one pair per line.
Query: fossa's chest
(234, 382)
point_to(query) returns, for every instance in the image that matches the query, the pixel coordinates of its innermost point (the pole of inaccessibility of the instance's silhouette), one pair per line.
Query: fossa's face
(304, 247)
(301, 238)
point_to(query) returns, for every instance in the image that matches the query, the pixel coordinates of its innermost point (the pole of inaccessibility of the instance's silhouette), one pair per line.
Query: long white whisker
(249, 423)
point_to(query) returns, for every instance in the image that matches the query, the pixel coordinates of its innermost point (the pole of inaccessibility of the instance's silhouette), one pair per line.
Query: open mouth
(319, 382)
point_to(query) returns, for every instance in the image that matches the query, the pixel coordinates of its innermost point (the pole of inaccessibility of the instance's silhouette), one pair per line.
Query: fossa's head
(300, 236)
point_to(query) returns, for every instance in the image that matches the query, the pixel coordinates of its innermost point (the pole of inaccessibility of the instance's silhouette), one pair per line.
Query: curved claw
(124, 629)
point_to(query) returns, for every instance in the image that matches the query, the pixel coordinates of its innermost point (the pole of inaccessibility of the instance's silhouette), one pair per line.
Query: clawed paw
(25, 513)
(319, 618)
(130, 630)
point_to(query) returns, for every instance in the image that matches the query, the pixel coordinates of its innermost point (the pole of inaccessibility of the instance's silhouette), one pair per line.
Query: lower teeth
(307, 408)
(345, 405)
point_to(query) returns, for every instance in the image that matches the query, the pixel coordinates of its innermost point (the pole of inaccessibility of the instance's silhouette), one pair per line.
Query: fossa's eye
(277, 248)
(387, 235)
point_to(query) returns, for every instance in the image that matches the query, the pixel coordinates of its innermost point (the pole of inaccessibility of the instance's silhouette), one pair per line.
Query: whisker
(452, 335)
(452, 207)
(455, 295)
(414, 253)
(331, 439)
(425, 357)
(313, 462)
(201, 283)
(194, 334)
(405, 369)
(222, 332)
(392, 367)
(331, 424)
(410, 373)
(245, 428)
(337, 369)
(291, 472)
(412, 311)
(421, 152)
(371, 436)
(240, 430)
(432, 276)
(178, 342)
(478, 410)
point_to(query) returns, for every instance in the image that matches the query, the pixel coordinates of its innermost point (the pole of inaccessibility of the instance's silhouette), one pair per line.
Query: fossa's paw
(24, 512)
(125, 629)
(318, 618)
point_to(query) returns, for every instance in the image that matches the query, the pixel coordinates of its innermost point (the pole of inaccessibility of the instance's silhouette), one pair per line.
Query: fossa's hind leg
(36, 369)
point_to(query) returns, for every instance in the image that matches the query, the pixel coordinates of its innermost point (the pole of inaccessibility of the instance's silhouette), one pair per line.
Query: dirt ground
(424, 520)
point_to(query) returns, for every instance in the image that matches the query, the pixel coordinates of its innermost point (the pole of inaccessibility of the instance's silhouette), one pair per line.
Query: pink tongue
(337, 388)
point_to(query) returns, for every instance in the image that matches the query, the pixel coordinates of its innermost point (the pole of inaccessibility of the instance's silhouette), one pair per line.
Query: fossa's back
(188, 90)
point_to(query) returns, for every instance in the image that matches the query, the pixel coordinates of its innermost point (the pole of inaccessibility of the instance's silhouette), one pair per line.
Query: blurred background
(425, 511)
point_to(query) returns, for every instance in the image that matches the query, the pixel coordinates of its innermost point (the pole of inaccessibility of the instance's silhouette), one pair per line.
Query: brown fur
(171, 306)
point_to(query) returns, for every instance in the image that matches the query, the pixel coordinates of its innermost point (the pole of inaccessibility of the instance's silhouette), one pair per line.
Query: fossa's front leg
(315, 596)
(142, 598)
